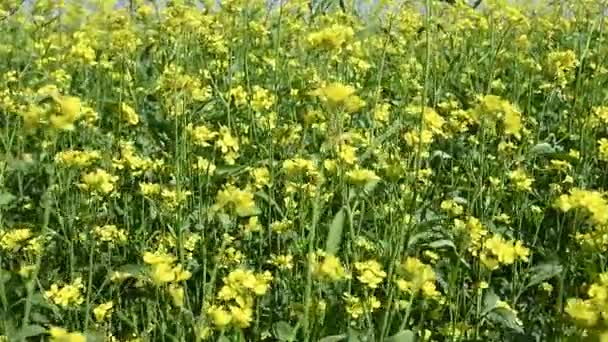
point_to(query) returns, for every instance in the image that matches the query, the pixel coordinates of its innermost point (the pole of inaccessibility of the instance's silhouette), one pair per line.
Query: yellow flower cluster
(492, 108)
(416, 276)
(99, 182)
(62, 335)
(327, 267)
(237, 298)
(234, 200)
(76, 158)
(68, 295)
(593, 202)
(163, 269)
(593, 311)
(370, 273)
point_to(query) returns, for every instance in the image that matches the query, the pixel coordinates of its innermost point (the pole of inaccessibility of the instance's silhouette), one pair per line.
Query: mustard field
(244, 170)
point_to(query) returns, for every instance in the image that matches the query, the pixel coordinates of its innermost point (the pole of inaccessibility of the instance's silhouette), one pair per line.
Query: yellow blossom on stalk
(69, 112)
(283, 262)
(75, 158)
(416, 276)
(103, 311)
(560, 66)
(360, 176)
(219, 316)
(492, 108)
(582, 311)
(177, 295)
(603, 149)
(329, 268)
(128, 114)
(261, 176)
(355, 307)
(201, 135)
(381, 113)
(370, 273)
(11, 239)
(62, 335)
(110, 233)
(592, 201)
(452, 207)
(232, 198)
(332, 37)
(335, 93)
(520, 180)
(204, 166)
(347, 153)
(262, 99)
(228, 145)
(150, 189)
(241, 316)
(68, 295)
(98, 181)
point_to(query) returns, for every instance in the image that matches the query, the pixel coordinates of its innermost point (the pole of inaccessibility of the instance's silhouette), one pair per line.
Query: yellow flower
(232, 198)
(103, 310)
(370, 273)
(329, 268)
(177, 295)
(62, 335)
(241, 316)
(334, 93)
(68, 295)
(582, 310)
(219, 316)
(128, 114)
(158, 258)
(162, 273)
(362, 176)
(603, 149)
(77, 158)
(98, 181)
(332, 37)
(520, 180)
(69, 107)
(10, 240)
(261, 176)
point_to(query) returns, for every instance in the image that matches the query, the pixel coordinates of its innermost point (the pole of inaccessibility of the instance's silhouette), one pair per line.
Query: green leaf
(442, 244)
(333, 338)
(507, 318)
(402, 336)
(285, 332)
(6, 198)
(334, 236)
(542, 148)
(355, 336)
(489, 302)
(543, 272)
(29, 331)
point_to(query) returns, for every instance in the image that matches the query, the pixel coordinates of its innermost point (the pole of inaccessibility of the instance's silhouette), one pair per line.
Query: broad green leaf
(333, 338)
(442, 244)
(543, 272)
(355, 336)
(489, 302)
(402, 336)
(334, 236)
(6, 198)
(507, 318)
(29, 331)
(285, 332)
(542, 148)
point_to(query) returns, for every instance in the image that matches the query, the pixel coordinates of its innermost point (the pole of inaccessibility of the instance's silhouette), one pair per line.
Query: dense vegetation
(396, 171)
